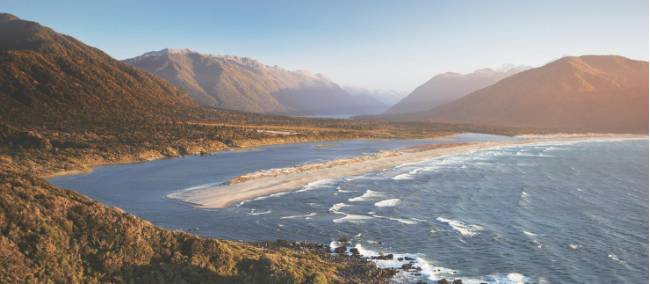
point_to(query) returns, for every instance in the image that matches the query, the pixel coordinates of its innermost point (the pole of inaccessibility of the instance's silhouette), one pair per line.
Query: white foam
(271, 195)
(262, 198)
(388, 203)
(179, 194)
(254, 212)
(527, 233)
(410, 221)
(427, 166)
(351, 178)
(615, 258)
(475, 156)
(574, 246)
(516, 278)
(369, 194)
(339, 189)
(466, 230)
(335, 244)
(336, 207)
(428, 270)
(432, 272)
(316, 184)
(306, 216)
(405, 176)
(347, 218)
(352, 218)
(533, 238)
(524, 198)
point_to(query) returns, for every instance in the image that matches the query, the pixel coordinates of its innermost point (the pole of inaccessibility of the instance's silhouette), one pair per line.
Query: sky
(390, 45)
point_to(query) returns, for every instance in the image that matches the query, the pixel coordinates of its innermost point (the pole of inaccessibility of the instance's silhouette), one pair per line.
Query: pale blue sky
(372, 44)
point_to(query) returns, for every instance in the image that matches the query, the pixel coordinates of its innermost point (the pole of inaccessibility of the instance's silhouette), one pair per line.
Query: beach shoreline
(272, 181)
(88, 165)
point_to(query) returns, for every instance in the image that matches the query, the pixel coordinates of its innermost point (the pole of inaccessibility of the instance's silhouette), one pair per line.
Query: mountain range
(64, 105)
(592, 93)
(446, 87)
(245, 84)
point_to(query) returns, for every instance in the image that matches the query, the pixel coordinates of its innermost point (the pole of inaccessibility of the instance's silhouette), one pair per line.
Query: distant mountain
(388, 97)
(446, 87)
(586, 93)
(242, 83)
(47, 77)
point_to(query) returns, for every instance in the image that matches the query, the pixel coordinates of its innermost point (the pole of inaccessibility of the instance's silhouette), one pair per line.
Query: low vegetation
(48, 234)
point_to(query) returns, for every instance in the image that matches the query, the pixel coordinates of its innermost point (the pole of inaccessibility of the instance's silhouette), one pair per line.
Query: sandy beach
(271, 181)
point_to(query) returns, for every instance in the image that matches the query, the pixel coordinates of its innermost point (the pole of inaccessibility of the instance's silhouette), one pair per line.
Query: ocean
(571, 212)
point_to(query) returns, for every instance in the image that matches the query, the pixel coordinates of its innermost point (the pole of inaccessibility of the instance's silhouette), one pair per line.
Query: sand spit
(272, 181)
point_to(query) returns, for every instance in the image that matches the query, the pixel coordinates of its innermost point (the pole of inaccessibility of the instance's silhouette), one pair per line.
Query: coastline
(87, 165)
(266, 182)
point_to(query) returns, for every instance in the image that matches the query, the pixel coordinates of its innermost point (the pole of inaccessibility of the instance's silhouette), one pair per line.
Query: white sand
(264, 183)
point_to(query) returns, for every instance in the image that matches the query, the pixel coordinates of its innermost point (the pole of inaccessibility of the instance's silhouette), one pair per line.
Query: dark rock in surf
(384, 257)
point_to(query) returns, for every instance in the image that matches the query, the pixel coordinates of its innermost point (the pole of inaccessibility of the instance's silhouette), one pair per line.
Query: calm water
(547, 213)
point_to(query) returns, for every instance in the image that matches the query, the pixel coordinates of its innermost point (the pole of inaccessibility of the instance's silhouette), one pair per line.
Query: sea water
(545, 213)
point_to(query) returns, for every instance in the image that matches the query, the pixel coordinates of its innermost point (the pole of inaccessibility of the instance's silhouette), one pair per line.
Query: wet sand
(267, 182)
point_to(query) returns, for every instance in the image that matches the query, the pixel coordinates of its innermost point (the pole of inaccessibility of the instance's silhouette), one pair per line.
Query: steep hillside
(241, 83)
(447, 87)
(586, 93)
(47, 77)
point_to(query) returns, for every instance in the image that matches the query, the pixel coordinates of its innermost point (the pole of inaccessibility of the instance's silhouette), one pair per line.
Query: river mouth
(518, 214)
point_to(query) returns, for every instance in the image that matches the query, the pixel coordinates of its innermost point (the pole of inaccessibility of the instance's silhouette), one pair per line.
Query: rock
(354, 251)
(409, 258)
(443, 281)
(384, 257)
(457, 281)
(341, 249)
(407, 266)
(400, 259)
